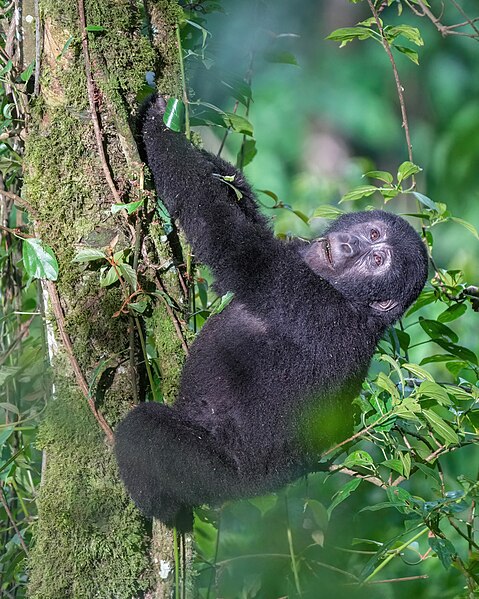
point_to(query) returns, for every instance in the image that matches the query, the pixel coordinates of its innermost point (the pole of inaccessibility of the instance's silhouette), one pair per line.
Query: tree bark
(81, 158)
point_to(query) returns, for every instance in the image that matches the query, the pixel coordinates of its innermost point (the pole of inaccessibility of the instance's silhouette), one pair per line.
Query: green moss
(169, 351)
(93, 542)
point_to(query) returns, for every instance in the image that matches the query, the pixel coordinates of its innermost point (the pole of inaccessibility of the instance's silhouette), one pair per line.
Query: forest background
(396, 515)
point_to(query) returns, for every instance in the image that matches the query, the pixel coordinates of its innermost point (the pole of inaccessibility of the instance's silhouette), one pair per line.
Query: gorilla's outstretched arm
(227, 233)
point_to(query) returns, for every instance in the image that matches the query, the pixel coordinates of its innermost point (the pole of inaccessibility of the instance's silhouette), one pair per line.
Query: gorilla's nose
(349, 245)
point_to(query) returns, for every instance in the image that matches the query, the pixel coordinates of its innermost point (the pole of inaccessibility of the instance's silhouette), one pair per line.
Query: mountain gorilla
(269, 381)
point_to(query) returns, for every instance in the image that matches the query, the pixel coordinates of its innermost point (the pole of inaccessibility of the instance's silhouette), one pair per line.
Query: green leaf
(319, 514)
(110, 277)
(239, 88)
(425, 201)
(246, 153)
(437, 330)
(129, 274)
(408, 409)
(265, 503)
(7, 68)
(406, 463)
(428, 471)
(327, 211)
(301, 215)
(89, 255)
(457, 350)
(94, 28)
(225, 300)
(435, 391)
(411, 54)
(358, 458)
(453, 312)
(27, 73)
(240, 124)
(441, 428)
(406, 170)
(411, 33)
(140, 306)
(471, 228)
(344, 493)
(65, 47)
(380, 175)
(174, 117)
(7, 373)
(130, 207)
(359, 192)
(385, 383)
(444, 550)
(39, 260)
(348, 34)
(394, 465)
(204, 32)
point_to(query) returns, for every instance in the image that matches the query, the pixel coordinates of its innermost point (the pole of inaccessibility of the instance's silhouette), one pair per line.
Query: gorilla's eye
(374, 235)
(378, 259)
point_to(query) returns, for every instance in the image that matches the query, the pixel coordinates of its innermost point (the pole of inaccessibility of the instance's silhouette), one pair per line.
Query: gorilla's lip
(327, 250)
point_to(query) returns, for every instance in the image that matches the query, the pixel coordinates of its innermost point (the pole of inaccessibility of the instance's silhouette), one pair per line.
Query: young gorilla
(269, 381)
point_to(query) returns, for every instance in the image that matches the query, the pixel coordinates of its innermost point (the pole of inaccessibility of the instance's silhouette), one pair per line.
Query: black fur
(269, 381)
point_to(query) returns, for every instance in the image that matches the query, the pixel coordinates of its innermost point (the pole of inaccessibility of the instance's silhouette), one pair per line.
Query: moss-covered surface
(90, 541)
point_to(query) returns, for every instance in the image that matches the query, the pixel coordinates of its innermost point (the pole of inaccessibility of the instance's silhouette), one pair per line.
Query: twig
(172, 316)
(81, 381)
(470, 542)
(12, 520)
(38, 48)
(399, 86)
(370, 479)
(355, 436)
(21, 332)
(18, 201)
(469, 21)
(183, 83)
(389, 580)
(91, 100)
(17, 232)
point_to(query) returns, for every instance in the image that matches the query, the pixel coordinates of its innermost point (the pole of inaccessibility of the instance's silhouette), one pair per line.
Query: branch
(12, 520)
(81, 381)
(370, 479)
(399, 86)
(20, 202)
(91, 100)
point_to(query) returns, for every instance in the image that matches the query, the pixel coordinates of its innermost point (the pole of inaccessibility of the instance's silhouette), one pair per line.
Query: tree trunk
(81, 158)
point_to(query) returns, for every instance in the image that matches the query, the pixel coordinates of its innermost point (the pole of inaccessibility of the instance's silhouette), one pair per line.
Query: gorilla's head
(374, 258)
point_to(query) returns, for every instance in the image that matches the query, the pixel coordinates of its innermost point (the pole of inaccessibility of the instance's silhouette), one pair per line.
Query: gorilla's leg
(170, 464)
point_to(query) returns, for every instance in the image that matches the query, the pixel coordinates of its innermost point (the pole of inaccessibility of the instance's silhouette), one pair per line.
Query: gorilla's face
(374, 258)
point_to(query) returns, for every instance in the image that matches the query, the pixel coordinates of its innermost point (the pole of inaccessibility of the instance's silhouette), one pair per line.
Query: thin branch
(370, 479)
(38, 48)
(81, 381)
(463, 535)
(399, 86)
(462, 12)
(12, 520)
(91, 100)
(20, 202)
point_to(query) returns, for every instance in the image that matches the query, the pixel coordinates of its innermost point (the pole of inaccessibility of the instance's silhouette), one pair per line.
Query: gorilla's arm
(227, 233)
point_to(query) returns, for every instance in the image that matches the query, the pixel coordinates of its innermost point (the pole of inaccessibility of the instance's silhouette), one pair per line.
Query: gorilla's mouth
(327, 250)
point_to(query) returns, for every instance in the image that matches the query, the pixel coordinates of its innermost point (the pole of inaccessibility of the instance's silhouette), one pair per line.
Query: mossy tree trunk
(90, 541)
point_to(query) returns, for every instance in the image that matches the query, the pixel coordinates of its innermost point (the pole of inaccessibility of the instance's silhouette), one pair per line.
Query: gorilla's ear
(384, 306)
